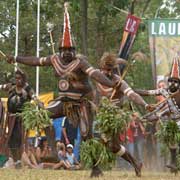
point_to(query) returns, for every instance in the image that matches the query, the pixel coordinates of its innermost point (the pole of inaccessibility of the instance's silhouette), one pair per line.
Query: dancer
(169, 108)
(107, 63)
(75, 90)
(18, 94)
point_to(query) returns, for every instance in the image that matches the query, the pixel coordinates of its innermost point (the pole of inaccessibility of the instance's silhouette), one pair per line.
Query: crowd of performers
(169, 106)
(77, 97)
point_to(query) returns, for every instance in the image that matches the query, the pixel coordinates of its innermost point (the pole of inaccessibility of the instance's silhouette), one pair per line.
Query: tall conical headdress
(175, 68)
(66, 40)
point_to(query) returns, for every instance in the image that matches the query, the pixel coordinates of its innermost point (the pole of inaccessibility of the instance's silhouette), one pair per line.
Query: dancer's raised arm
(31, 61)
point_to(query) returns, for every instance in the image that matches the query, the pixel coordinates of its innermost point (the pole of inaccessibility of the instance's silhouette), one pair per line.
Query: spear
(158, 106)
(50, 27)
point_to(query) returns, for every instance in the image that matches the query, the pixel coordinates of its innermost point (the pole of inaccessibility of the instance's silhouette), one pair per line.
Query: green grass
(11, 174)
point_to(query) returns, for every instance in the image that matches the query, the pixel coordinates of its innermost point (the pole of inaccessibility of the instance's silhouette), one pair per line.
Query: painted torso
(107, 91)
(73, 81)
(16, 99)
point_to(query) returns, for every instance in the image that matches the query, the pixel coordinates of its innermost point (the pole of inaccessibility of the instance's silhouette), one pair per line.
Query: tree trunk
(98, 42)
(132, 6)
(84, 25)
(145, 7)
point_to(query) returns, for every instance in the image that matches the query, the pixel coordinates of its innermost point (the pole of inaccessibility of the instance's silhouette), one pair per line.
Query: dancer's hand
(104, 138)
(150, 107)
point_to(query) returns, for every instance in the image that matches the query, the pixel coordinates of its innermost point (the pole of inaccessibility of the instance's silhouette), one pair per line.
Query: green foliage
(169, 133)
(34, 118)
(94, 152)
(111, 120)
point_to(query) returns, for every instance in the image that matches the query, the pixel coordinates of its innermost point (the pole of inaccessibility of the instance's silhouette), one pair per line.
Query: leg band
(121, 151)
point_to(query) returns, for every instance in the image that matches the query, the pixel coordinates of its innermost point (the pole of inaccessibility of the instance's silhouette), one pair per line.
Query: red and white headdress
(175, 68)
(66, 40)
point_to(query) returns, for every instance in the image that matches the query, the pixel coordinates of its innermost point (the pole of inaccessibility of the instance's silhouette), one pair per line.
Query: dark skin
(173, 84)
(19, 82)
(75, 71)
(66, 55)
(108, 71)
(18, 94)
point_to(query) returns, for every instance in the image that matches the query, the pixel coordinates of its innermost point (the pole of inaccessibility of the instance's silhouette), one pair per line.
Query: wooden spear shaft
(122, 77)
(159, 103)
(52, 43)
(4, 55)
(166, 99)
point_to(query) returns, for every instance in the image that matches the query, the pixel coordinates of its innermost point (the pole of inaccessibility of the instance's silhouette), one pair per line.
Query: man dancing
(107, 64)
(169, 108)
(75, 90)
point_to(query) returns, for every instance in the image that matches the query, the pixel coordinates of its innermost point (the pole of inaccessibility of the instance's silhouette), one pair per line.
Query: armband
(128, 91)
(90, 71)
(3, 86)
(42, 61)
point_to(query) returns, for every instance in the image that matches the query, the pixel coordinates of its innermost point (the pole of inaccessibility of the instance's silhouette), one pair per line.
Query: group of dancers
(77, 97)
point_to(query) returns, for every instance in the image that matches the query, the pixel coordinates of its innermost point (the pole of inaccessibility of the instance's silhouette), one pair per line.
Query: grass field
(10, 174)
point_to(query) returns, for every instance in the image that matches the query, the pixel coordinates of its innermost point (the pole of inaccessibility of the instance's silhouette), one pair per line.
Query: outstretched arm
(96, 74)
(155, 92)
(136, 98)
(31, 61)
(101, 78)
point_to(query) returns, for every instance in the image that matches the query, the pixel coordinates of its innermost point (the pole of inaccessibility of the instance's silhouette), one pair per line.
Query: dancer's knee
(121, 151)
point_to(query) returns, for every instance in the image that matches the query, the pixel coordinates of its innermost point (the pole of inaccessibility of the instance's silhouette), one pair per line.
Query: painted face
(173, 85)
(19, 80)
(68, 54)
